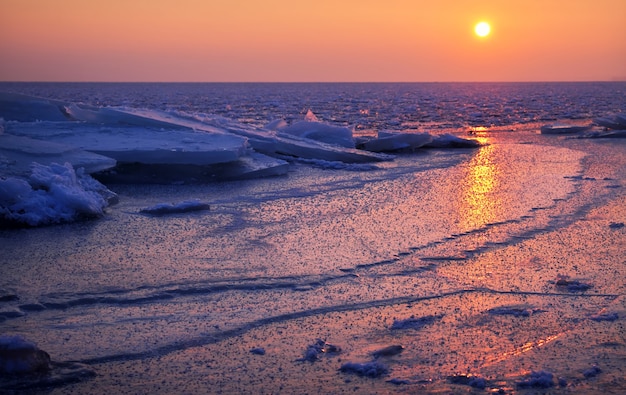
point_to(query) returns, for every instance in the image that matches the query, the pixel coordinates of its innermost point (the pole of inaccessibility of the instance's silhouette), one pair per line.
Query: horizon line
(305, 82)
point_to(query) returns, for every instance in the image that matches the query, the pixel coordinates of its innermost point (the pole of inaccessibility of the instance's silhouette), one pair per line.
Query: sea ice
(615, 122)
(388, 351)
(52, 194)
(312, 129)
(182, 207)
(396, 141)
(368, 369)
(415, 322)
(135, 144)
(471, 380)
(541, 379)
(563, 129)
(451, 141)
(320, 346)
(592, 372)
(516, 311)
(19, 356)
(18, 152)
(22, 108)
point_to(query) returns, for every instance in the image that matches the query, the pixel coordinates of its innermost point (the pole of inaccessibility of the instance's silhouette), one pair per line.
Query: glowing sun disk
(482, 29)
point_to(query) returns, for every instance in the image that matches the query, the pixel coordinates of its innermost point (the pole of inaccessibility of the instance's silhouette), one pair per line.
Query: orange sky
(315, 40)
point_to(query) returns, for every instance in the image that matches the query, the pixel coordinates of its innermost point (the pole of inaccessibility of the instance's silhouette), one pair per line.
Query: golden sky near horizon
(321, 40)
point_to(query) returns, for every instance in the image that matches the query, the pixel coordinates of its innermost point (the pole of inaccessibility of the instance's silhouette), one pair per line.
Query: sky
(311, 41)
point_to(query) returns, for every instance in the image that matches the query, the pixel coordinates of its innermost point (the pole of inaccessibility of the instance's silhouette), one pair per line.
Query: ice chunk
(563, 129)
(310, 117)
(616, 122)
(392, 141)
(52, 194)
(415, 322)
(182, 207)
(541, 379)
(319, 131)
(19, 356)
(451, 141)
(109, 116)
(137, 145)
(22, 108)
(253, 165)
(369, 369)
(17, 153)
(276, 124)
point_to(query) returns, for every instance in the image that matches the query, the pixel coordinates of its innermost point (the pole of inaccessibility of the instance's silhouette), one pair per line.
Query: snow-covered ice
(52, 194)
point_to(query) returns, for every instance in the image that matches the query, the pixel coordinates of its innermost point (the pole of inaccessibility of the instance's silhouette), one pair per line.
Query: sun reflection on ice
(480, 183)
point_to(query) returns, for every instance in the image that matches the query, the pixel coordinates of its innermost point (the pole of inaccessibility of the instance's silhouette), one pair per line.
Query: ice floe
(540, 379)
(615, 122)
(396, 141)
(388, 351)
(320, 347)
(468, 379)
(372, 369)
(182, 207)
(20, 356)
(563, 129)
(52, 194)
(313, 129)
(415, 322)
(17, 153)
(24, 367)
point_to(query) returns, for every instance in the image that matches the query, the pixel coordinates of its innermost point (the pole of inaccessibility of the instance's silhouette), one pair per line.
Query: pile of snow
(52, 194)
(19, 356)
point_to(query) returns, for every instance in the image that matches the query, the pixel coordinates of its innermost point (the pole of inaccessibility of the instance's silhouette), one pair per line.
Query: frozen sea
(470, 270)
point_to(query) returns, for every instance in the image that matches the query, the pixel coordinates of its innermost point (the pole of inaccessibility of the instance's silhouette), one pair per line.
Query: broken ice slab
(253, 165)
(563, 129)
(139, 144)
(17, 153)
(615, 122)
(22, 108)
(393, 141)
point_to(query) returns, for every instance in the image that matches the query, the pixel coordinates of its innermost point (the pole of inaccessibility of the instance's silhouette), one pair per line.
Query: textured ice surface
(174, 304)
(17, 153)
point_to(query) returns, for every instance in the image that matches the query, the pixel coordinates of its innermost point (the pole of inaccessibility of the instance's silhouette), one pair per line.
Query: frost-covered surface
(175, 304)
(52, 194)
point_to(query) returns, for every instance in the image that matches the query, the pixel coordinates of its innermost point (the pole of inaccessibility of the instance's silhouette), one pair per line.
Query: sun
(482, 29)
